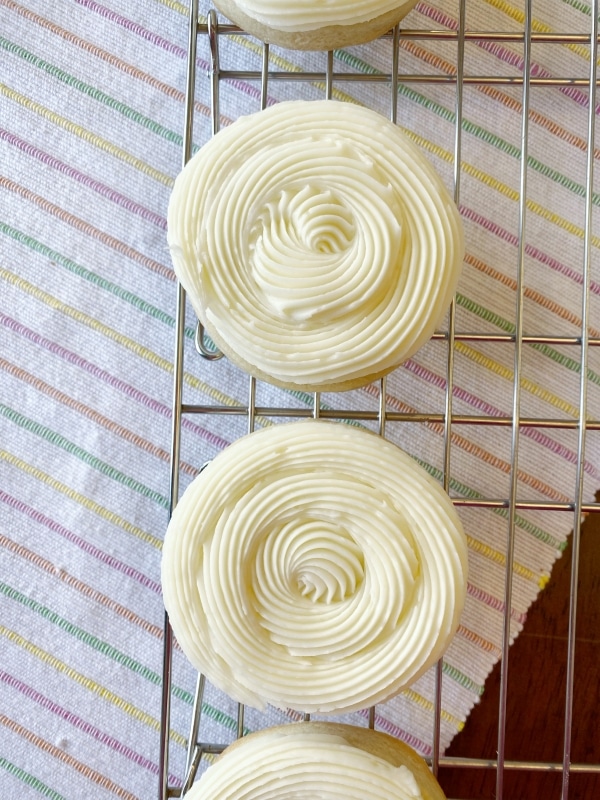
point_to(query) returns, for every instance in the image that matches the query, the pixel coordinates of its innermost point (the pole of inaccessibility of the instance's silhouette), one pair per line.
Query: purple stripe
(85, 180)
(164, 44)
(88, 548)
(220, 443)
(411, 365)
(116, 383)
(508, 57)
(476, 402)
(393, 729)
(82, 725)
(133, 27)
(538, 255)
(161, 222)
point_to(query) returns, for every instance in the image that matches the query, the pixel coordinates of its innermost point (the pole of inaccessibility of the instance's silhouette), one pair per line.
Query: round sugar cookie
(317, 245)
(327, 760)
(315, 566)
(314, 24)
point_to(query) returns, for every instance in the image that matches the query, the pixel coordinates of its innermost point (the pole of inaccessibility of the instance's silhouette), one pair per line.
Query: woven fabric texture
(91, 122)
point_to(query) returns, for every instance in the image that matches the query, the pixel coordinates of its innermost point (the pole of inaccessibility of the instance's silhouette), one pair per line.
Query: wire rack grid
(211, 34)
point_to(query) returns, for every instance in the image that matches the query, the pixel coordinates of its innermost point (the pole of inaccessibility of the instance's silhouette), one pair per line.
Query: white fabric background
(91, 119)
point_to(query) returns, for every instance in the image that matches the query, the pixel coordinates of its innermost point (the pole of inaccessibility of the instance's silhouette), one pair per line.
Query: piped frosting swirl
(314, 566)
(325, 760)
(308, 15)
(317, 245)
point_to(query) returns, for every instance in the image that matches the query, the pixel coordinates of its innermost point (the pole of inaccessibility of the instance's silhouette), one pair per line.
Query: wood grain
(536, 693)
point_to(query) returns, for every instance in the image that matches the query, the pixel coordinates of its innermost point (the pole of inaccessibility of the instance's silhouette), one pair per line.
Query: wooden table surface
(536, 692)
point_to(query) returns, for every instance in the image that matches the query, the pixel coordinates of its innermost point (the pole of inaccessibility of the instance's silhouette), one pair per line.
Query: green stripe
(346, 58)
(522, 523)
(30, 780)
(83, 455)
(475, 130)
(87, 275)
(581, 7)
(161, 316)
(462, 679)
(112, 653)
(508, 327)
(92, 277)
(565, 361)
(458, 487)
(303, 396)
(92, 92)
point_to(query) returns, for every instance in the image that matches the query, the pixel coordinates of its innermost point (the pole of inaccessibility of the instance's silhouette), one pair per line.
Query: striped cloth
(90, 128)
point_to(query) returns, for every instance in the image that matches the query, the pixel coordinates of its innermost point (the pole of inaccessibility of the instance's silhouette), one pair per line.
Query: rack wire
(213, 31)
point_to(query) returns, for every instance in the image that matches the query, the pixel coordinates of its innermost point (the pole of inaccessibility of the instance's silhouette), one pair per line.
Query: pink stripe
(161, 222)
(116, 383)
(85, 180)
(56, 527)
(538, 255)
(82, 725)
(481, 405)
(493, 602)
(508, 57)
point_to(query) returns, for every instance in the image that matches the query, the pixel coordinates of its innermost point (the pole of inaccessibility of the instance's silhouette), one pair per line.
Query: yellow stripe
(256, 48)
(77, 497)
(88, 683)
(507, 374)
(501, 188)
(537, 26)
(283, 63)
(428, 706)
(61, 755)
(248, 44)
(215, 394)
(175, 6)
(499, 558)
(444, 155)
(110, 333)
(87, 136)
(513, 194)
(430, 147)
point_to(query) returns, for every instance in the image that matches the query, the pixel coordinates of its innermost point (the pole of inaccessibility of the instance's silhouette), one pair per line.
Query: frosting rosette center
(317, 245)
(308, 218)
(320, 555)
(323, 234)
(318, 561)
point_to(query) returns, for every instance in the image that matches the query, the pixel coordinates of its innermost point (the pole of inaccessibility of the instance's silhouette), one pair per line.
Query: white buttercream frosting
(316, 243)
(308, 15)
(303, 766)
(314, 566)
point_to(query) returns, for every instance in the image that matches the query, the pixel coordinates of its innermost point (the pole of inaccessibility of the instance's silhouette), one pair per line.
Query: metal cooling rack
(212, 31)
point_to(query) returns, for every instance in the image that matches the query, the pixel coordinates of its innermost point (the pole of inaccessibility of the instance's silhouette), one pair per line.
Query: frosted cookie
(321, 760)
(317, 245)
(314, 566)
(314, 24)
